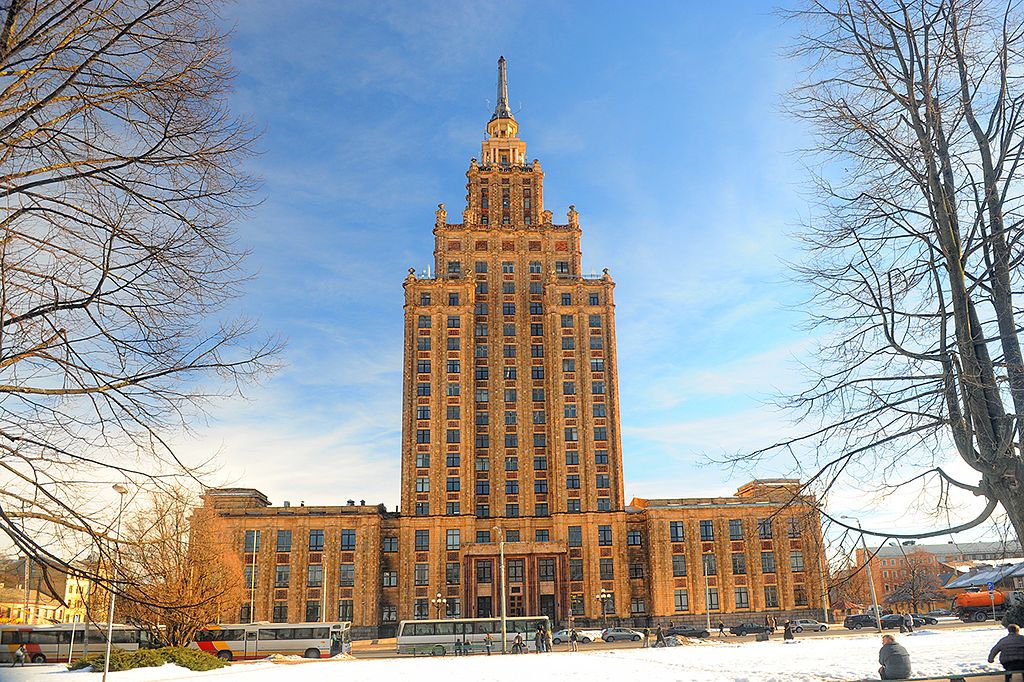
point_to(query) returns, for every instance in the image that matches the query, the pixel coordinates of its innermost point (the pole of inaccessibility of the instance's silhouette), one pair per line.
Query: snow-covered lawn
(851, 657)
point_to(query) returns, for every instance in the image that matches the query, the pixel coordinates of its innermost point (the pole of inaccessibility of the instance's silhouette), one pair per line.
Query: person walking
(517, 644)
(787, 632)
(1011, 652)
(903, 624)
(488, 642)
(659, 637)
(721, 628)
(19, 656)
(458, 646)
(547, 639)
(539, 639)
(893, 659)
(574, 641)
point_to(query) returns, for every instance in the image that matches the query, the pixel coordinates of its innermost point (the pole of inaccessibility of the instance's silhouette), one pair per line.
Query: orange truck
(979, 606)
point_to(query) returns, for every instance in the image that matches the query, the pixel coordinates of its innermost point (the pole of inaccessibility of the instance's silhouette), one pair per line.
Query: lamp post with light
(604, 597)
(501, 556)
(122, 491)
(867, 566)
(438, 602)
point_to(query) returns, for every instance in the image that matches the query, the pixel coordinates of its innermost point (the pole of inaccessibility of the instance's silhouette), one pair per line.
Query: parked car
(858, 621)
(939, 613)
(748, 628)
(928, 620)
(582, 636)
(801, 624)
(612, 634)
(893, 620)
(686, 631)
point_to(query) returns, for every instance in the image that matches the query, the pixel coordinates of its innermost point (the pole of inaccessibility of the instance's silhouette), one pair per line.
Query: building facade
(510, 432)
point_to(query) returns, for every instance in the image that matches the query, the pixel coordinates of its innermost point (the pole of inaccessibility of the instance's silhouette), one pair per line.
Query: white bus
(438, 637)
(259, 640)
(59, 643)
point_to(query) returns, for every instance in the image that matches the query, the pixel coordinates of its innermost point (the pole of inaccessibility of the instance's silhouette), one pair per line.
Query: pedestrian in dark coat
(721, 629)
(787, 632)
(659, 637)
(539, 639)
(894, 660)
(19, 656)
(1010, 650)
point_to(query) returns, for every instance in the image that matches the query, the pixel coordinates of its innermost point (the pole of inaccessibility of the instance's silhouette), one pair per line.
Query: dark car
(893, 620)
(928, 620)
(935, 613)
(748, 628)
(858, 621)
(686, 631)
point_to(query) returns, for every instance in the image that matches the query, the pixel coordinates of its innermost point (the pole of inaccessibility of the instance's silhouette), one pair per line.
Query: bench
(959, 677)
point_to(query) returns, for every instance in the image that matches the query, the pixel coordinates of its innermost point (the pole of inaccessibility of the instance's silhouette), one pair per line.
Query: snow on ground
(850, 657)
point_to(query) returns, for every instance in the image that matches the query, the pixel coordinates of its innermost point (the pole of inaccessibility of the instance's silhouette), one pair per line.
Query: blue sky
(659, 121)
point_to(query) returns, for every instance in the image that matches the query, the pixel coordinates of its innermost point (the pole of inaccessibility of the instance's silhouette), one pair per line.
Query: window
(451, 508)
(424, 299)
(508, 288)
(481, 266)
(710, 564)
(454, 366)
(481, 373)
(389, 613)
(569, 388)
(390, 543)
(542, 535)
(535, 266)
(682, 601)
(568, 365)
(739, 563)
(480, 330)
(420, 607)
(568, 343)
(597, 387)
(600, 456)
(604, 536)
(604, 504)
(572, 434)
(602, 481)
(511, 464)
(540, 485)
(423, 484)
(508, 308)
(796, 561)
(707, 531)
(483, 487)
(562, 267)
(536, 351)
(421, 574)
(572, 506)
(423, 366)
(345, 609)
(509, 372)
(566, 299)
(451, 573)
(512, 511)
(423, 322)
(314, 575)
(452, 459)
(316, 541)
(575, 536)
(594, 299)
(482, 441)
(607, 569)
(453, 389)
(637, 606)
(735, 529)
(540, 509)
(546, 570)
(422, 509)
(284, 541)
(249, 575)
(634, 538)
(252, 541)
(594, 321)
(771, 597)
(596, 343)
(422, 436)
(537, 395)
(572, 481)
(540, 440)
(515, 570)
(453, 436)
(537, 372)
(572, 457)
(483, 511)
(280, 613)
(481, 287)
(508, 267)
(636, 570)
(567, 321)
(423, 343)
(678, 565)
(767, 562)
(389, 579)
(575, 569)
(484, 571)
(793, 527)
(422, 460)
(713, 599)
(423, 412)
(348, 540)
(282, 575)
(483, 536)
(510, 395)
(600, 433)
(799, 595)
(312, 611)
(347, 575)
(451, 484)
(511, 487)
(452, 540)
(422, 540)
(600, 410)
(764, 529)
(535, 307)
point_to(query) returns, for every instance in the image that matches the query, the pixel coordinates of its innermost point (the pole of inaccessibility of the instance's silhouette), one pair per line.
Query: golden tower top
(502, 147)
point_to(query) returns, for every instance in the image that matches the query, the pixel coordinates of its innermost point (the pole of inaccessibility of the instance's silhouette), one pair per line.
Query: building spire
(501, 109)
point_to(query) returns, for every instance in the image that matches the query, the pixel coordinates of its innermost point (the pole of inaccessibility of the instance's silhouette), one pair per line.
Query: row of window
(508, 267)
(251, 543)
(483, 440)
(540, 462)
(511, 418)
(739, 563)
(707, 529)
(314, 575)
(512, 510)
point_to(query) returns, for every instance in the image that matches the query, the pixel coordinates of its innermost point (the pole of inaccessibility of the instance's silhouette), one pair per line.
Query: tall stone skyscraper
(511, 393)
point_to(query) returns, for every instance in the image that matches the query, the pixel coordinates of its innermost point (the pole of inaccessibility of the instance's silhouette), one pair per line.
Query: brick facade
(510, 424)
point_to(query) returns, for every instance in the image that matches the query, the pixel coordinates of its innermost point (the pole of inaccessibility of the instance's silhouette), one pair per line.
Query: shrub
(1014, 614)
(192, 659)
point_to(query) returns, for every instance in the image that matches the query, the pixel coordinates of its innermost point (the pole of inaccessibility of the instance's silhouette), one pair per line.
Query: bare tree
(914, 253)
(918, 582)
(120, 179)
(175, 574)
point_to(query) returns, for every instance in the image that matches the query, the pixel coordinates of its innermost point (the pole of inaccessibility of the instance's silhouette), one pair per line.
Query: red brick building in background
(510, 429)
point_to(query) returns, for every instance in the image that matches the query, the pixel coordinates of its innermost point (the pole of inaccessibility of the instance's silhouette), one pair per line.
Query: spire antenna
(501, 108)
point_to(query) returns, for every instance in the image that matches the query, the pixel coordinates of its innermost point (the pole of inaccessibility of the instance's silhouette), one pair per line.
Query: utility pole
(867, 565)
(504, 623)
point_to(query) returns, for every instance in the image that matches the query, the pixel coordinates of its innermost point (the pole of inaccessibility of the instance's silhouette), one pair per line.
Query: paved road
(385, 648)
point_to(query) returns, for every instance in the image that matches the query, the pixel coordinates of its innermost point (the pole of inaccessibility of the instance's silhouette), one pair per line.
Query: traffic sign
(991, 586)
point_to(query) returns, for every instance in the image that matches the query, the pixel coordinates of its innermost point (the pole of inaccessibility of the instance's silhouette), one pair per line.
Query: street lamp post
(501, 557)
(707, 598)
(867, 565)
(438, 602)
(122, 491)
(604, 598)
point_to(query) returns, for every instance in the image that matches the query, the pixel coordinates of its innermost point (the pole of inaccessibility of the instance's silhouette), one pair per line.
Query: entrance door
(547, 607)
